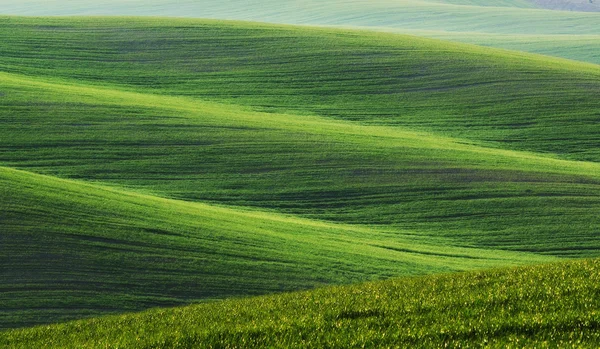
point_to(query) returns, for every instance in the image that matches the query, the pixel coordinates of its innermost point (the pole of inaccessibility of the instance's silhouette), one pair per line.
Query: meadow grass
(555, 305)
(505, 17)
(583, 48)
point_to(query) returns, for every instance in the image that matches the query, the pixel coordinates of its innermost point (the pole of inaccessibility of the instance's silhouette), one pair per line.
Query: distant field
(190, 160)
(569, 5)
(577, 47)
(406, 14)
(506, 24)
(534, 307)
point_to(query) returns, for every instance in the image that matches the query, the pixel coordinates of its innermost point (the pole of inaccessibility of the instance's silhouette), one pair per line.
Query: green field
(513, 24)
(577, 47)
(506, 100)
(155, 162)
(552, 306)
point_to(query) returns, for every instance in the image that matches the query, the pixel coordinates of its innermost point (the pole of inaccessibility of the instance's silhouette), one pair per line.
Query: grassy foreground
(548, 306)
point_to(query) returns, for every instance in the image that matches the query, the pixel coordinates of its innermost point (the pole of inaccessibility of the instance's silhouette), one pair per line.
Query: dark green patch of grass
(316, 167)
(514, 24)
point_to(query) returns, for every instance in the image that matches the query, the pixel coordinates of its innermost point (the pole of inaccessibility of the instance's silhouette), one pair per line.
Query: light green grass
(534, 307)
(577, 47)
(407, 14)
(584, 48)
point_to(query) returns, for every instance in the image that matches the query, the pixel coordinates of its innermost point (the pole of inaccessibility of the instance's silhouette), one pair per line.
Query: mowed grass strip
(554, 305)
(505, 99)
(70, 250)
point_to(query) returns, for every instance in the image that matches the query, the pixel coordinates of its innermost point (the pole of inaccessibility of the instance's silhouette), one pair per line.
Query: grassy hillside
(320, 167)
(538, 307)
(71, 249)
(304, 156)
(313, 166)
(506, 24)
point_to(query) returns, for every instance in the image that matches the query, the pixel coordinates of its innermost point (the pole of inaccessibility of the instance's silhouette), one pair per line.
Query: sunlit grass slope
(71, 249)
(313, 166)
(505, 98)
(548, 306)
(506, 24)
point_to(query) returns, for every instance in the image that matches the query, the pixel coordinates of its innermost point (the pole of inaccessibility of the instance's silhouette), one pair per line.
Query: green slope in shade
(71, 250)
(554, 305)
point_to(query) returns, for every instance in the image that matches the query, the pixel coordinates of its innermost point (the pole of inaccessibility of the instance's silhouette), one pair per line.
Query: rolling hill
(151, 162)
(515, 24)
(504, 99)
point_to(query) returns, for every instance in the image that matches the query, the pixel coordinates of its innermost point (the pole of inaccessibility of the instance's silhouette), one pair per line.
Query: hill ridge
(463, 91)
